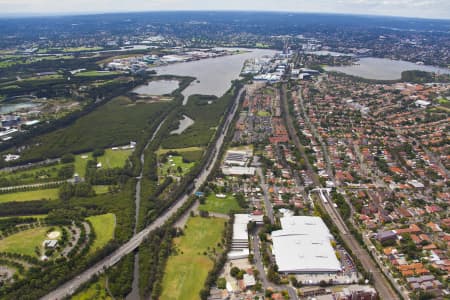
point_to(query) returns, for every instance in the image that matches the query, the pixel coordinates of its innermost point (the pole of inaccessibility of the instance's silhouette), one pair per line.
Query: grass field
(35, 175)
(24, 242)
(96, 291)
(190, 153)
(23, 217)
(186, 272)
(97, 74)
(104, 226)
(218, 205)
(263, 113)
(115, 123)
(51, 194)
(171, 167)
(101, 189)
(179, 150)
(81, 163)
(111, 159)
(114, 158)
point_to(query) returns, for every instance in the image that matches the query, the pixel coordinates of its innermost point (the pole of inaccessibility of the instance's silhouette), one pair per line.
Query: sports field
(186, 272)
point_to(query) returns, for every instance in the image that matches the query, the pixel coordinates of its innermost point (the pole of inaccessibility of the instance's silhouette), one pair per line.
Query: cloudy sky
(408, 8)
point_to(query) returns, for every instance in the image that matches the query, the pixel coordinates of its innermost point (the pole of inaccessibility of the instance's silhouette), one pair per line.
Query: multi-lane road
(69, 287)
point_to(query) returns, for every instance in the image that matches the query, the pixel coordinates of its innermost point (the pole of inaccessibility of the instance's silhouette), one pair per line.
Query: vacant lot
(220, 205)
(49, 194)
(104, 226)
(186, 271)
(24, 242)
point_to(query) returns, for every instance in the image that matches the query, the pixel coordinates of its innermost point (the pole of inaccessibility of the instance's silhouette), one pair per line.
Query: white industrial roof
(303, 246)
(240, 226)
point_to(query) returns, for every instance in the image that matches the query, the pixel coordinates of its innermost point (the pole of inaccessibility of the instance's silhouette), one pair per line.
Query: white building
(303, 245)
(239, 171)
(422, 103)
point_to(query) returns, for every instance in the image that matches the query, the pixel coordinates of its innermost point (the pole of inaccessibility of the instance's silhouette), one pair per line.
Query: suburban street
(267, 204)
(71, 286)
(380, 282)
(262, 273)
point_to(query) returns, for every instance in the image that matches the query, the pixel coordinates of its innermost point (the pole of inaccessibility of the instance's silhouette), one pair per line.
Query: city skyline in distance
(434, 9)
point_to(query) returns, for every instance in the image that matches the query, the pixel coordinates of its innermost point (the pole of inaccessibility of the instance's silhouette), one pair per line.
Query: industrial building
(303, 246)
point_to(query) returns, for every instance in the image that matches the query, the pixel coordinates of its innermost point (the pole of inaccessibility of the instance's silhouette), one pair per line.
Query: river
(157, 87)
(184, 124)
(383, 69)
(12, 107)
(213, 75)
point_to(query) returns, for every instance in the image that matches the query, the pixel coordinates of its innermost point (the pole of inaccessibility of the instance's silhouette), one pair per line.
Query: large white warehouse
(303, 245)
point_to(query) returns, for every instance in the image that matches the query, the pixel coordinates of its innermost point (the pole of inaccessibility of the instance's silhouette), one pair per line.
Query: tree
(68, 158)
(234, 272)
(221, 283)
(98, 152)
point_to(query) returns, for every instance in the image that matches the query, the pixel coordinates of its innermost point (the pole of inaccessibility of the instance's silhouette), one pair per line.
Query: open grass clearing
(220, 205)
(101, 189)
(50, 194)
(103, 226)
(25, 217)
(95, 291)
(24, 242)
(114, 158)
(186, 271)
(34, 175)
(175, 166)
(81, 163)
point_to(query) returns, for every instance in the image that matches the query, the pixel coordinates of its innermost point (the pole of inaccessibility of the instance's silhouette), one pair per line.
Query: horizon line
(86, 13)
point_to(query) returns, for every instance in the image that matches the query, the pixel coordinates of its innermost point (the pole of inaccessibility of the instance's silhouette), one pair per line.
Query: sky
(438, 9)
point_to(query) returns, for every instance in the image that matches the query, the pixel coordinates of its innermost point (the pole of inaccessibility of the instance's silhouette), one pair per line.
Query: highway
(72, 285)
(381, 284)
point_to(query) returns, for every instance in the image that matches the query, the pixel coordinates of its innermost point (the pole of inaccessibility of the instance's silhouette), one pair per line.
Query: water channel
(383, 69)
(213, 75)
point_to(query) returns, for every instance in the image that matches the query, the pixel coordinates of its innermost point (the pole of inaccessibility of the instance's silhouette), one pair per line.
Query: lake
(383, 69)
(214, 75)
(184, 124)
(12, 107)
(157, 88)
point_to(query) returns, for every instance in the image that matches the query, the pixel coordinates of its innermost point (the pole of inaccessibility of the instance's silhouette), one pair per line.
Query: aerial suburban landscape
(183, 153)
